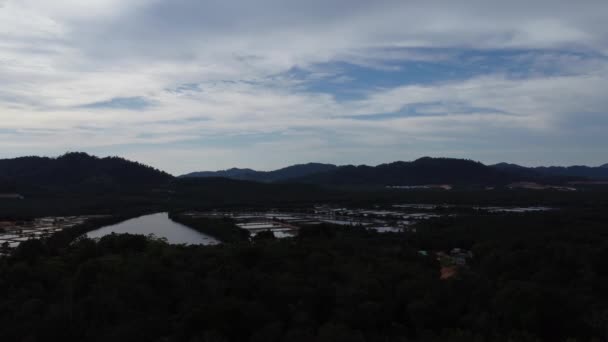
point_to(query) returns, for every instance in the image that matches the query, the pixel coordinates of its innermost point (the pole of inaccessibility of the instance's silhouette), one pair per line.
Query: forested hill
(284, 174)
(532, 278)
(598, 173)
(419, 172)
(579, 171)
(233, 173)
(77, 172)
(423, 171)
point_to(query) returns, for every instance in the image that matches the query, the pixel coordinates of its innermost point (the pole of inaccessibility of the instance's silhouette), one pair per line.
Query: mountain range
(280, 175)
(77, 171)
(422, 171)
(425, 170)
(592, 173)
(82, 172)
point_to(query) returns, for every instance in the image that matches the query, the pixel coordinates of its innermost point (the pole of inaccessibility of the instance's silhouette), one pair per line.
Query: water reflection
(161, 226)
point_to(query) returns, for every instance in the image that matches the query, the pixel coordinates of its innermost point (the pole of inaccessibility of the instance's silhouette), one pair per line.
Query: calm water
(161, 226)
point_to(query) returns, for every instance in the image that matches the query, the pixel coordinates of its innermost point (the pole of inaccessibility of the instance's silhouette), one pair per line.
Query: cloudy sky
(189, 85)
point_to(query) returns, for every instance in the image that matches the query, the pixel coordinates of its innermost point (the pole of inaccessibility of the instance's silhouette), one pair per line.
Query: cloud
(313, 80)
(131, 103)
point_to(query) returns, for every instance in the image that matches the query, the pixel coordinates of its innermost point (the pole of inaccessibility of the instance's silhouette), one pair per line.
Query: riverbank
(223, 229)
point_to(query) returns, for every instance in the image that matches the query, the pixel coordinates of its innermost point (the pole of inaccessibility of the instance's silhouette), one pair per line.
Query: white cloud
(56, 56)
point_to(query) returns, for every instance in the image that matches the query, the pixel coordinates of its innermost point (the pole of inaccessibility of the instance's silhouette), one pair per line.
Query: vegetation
(534, 277)
(221, 228)
(80, 173)
(77, 172)
(599, 173)
(419, 172)
(422, 171)
(217, 193)
(281, 175)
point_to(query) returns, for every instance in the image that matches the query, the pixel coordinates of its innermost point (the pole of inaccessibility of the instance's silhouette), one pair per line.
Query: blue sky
(189, 85)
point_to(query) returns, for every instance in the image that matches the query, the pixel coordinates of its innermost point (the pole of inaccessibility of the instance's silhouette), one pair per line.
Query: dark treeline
(533, 277)
(281, 175)
(207, 193)
(218, 192)
(421, 171)
(80, 173)
(425, 170)
(221, 228)
(71, 205)
(77, 172)
(77, 183)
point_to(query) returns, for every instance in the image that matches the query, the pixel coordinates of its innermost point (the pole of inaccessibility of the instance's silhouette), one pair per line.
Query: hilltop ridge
(283, 174)
(78, 171)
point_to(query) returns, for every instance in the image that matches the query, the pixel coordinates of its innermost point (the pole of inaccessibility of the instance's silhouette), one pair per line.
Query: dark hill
(77, 172)
(234, 173)
(559, 172)
(600, 172)
(518, 170)
(225, 191)
(424, 171)
(419, 172)
(284, 174)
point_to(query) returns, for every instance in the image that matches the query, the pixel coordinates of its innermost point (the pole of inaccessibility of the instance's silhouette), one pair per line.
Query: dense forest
(216, 193)
(589, 172)
(76, 172)
(533, 277)
(281, 175)
(421, 171)
(221, 228)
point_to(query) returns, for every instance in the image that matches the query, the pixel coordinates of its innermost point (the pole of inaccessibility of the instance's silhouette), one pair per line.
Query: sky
(190, 85)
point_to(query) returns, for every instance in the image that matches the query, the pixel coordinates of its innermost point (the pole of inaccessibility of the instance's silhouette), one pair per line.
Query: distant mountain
(77, 172)
(518, 170)
(423, 171)
(595, 173)
(281, 175)
(80, 172)
(592, 173)
(219, 191)
(234, 173)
